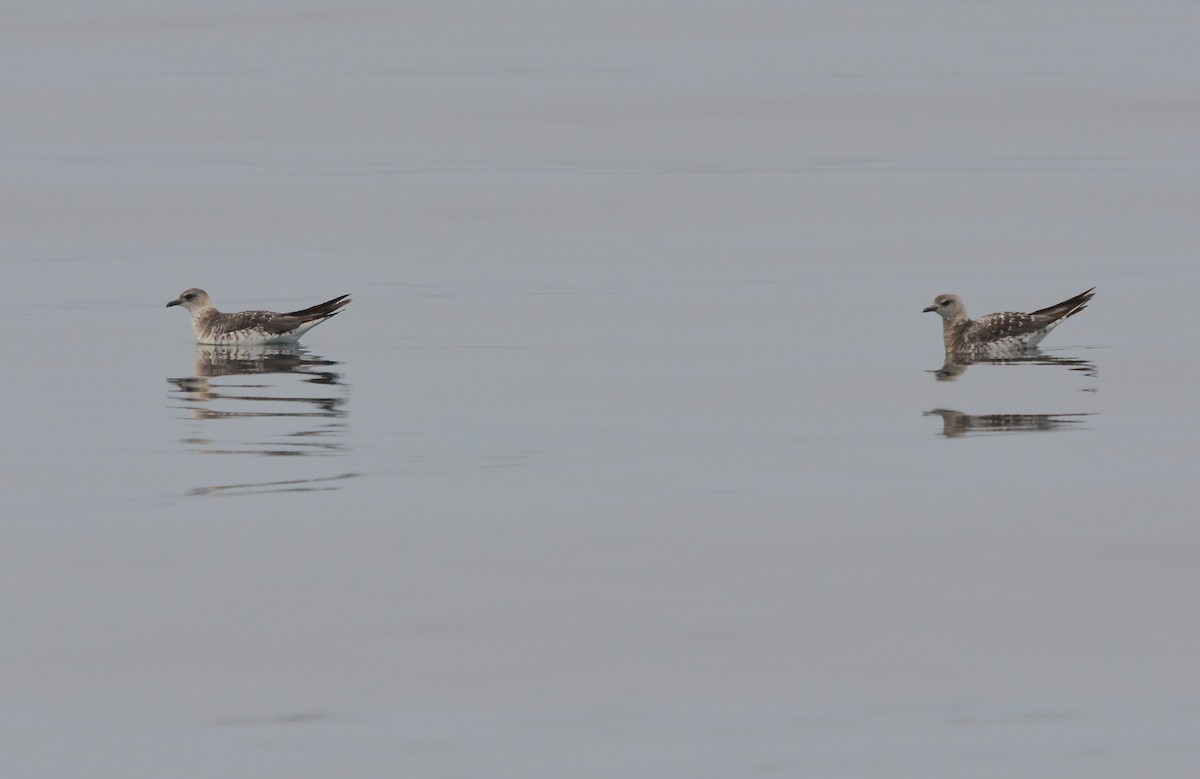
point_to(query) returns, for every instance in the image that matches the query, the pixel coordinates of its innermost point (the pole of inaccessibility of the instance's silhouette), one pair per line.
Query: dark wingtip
(1078, 303)
(323, 309)
(1070, 306)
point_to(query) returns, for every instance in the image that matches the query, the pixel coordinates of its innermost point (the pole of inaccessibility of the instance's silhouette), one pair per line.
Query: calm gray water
(634, 455)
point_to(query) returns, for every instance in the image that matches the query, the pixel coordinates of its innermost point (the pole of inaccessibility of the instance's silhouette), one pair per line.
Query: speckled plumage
(999, 334)
(249, 328)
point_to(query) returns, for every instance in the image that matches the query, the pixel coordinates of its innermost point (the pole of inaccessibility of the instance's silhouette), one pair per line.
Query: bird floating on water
(250, 328)
(1004, 333)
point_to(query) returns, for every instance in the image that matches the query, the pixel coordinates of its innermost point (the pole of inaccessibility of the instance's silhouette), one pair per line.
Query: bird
(1004, 333)
(252, 328)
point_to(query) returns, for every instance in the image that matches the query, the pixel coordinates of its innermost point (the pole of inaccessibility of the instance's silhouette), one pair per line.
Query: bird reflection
(213, 361)
(956, 365)
(323, 484)
(291, 402)
(956, 423)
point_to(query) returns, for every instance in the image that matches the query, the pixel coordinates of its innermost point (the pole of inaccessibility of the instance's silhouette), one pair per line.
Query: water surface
(634, 455)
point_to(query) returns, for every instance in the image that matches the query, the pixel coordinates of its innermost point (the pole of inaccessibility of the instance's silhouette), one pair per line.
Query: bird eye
(945, 302)
(189, 296)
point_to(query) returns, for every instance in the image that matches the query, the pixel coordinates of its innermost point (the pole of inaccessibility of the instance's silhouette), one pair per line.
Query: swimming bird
(247, 328)
(1004, 333)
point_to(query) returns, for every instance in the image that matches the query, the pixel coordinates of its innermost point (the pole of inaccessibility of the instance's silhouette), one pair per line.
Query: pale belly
(251, 338)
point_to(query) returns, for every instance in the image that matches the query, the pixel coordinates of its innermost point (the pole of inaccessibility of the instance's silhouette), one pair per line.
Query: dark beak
(175, 302)
(926, 310)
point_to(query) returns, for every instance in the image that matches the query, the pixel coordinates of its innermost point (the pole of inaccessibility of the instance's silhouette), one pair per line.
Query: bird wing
(1012, 324)
(274, 323)
(265, 321)
(1006, 324)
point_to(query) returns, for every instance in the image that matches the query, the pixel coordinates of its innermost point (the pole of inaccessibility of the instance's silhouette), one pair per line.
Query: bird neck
(202, 316)
(952, 331)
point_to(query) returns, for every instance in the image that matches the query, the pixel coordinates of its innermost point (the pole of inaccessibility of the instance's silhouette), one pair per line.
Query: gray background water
(620, 464)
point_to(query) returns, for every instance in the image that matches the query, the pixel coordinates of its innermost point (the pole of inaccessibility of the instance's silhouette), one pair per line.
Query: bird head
(192, 299)
(948, 307)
